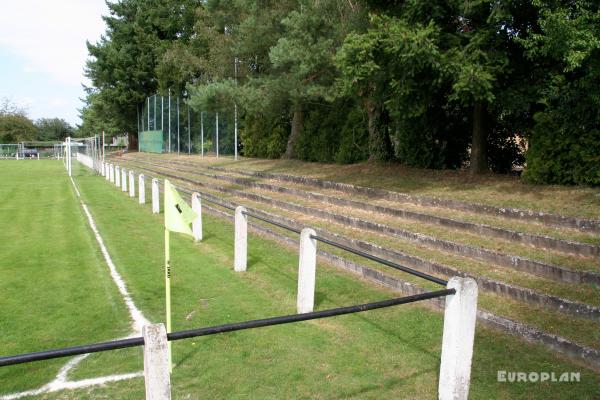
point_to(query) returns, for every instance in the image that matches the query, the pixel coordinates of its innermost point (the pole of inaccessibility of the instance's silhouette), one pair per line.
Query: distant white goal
(10, 151)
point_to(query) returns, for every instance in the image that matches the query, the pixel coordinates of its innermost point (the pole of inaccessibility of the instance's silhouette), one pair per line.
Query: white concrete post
(307, 271)
(156, 362)
(123, 180)
(118, 176)
(107, 175)
(240, 256)
(155, 197)
(131, 184)
(141, 189)
(112, 173)
(197, 223)
(457, 343)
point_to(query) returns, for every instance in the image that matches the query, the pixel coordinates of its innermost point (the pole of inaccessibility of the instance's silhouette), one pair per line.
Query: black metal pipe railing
(380, 260)
(71, 351)
(269, 221)
(213, 330)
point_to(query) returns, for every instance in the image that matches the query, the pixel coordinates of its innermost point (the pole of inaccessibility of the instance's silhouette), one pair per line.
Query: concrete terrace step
(529, 296)
(583, 224)
(539, 241)
(549, 271)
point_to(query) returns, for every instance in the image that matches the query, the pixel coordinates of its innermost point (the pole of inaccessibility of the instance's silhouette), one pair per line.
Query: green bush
(565, 144)
(563, 154)
(333, 132)
(435, 139)
(263, 136)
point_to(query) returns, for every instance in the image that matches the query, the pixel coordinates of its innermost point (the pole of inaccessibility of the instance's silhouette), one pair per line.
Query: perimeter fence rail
(29, 150)
(167, 124)
(460, 296)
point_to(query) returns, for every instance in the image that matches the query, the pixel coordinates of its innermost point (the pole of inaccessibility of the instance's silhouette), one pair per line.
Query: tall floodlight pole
(217, 131)
(69, 155)
(97, 152)
(148, 113)
(103, 147)
(202, 133)
(178, 141)
(235, 127)
(189, 132)
(169, 120)
(155, 112)
(162, 118)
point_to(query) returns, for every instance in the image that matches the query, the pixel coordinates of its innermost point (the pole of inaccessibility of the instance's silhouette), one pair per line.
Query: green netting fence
(166, 124)
(152, 141)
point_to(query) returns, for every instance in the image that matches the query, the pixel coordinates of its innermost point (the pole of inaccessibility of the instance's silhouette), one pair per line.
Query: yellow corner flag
(178, 215)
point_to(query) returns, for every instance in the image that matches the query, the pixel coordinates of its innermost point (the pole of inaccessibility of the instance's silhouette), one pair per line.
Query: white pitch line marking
(61, 382)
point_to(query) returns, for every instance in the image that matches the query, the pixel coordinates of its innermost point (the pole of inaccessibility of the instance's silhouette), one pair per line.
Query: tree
(123, 63)
(564, 142)
(7, 107)
(303, 58)
(15, 126)
(53, 129)
(433, 65)
(390, 68)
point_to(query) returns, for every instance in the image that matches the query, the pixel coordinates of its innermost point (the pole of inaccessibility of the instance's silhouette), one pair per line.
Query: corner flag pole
(168, 291)
(178, 218)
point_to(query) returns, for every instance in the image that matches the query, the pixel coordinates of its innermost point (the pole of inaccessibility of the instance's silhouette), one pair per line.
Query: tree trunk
(478, 143)
(297, 122)
(132, 144)
(380, 146)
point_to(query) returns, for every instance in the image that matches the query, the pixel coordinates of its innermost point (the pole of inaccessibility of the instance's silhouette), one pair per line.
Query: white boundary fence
(459, 315)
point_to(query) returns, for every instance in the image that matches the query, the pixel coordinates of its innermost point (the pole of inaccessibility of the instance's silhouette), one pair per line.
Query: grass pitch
(58, 292)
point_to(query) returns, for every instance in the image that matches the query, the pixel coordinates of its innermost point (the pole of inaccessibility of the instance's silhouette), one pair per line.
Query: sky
(43, 53)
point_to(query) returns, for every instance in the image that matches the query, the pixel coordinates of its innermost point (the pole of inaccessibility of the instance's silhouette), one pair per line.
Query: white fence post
(141, 189)
(197, 223)
(307, 271)
(111, 172)
(457, 343)
(155, 197)
(240, 256)
(123, 180)
(156, 362)
(69, 159)
(118, 176)
(131, 184)
(102, 168)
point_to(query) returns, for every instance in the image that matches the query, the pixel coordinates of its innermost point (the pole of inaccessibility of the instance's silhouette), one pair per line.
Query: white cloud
(30, 69)
(51, 35)
(57, 102)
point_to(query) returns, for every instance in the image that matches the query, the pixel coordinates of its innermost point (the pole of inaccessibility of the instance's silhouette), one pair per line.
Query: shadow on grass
(388, 384)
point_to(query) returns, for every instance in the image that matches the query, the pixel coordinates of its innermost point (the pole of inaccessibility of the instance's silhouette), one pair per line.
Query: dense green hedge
(565, 144)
